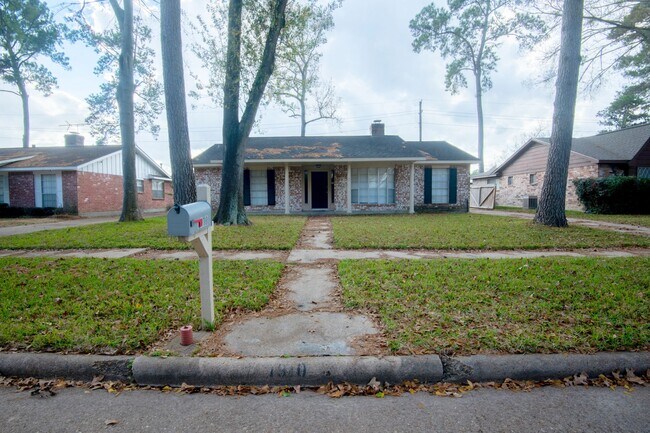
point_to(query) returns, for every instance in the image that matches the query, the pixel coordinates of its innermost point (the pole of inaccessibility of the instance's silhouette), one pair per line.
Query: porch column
(287, 204)
(349, 192)
(412, 197)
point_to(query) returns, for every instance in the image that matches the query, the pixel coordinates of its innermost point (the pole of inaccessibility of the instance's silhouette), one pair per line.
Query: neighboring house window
(373, 185)
(48, 190)
(643, 172)
(509, 180)
(532, 179)
(140, 185)
(440, 185)
(157, 189)
(4, 189)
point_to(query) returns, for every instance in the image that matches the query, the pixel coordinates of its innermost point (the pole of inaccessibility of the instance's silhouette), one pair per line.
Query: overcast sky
(376, 74)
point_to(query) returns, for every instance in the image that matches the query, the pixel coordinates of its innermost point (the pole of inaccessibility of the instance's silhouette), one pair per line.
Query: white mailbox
(189, 220)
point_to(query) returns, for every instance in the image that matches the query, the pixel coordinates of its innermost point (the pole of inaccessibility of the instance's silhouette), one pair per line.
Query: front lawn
(267, 232)
(96, 305)
(469, 232)
(635, 220)
(513, 306)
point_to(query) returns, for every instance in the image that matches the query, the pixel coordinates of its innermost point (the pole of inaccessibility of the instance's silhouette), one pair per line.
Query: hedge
(614, 195)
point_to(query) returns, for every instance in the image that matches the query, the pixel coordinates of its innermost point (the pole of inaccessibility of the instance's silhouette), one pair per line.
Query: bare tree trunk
(125, 90)
(303, 118)
(551, 210)
(25, 100)
(183, 179)
(235, 132)
(479, 113)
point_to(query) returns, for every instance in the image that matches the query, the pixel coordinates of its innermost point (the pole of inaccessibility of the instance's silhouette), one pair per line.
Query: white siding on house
(112, 164)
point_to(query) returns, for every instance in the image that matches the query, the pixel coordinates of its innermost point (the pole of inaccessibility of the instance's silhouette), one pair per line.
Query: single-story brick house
(519, 179)
(84, 180)
(348, 174)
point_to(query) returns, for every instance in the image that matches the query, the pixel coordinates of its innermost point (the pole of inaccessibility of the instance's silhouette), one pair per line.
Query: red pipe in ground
(186, 335)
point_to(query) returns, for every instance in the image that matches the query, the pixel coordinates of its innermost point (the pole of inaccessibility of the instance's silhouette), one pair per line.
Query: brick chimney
(377, 129)
(74, 139)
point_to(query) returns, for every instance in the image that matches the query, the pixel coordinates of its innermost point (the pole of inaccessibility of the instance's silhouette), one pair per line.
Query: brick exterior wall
(21, 190)
(101, 194)
(69, 181)
(212, 177)
(513, 195)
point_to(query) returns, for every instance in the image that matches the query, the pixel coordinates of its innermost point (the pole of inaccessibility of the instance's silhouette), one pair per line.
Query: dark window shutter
(247, 187)
(270, 186)
(453, 185)
(427, 185)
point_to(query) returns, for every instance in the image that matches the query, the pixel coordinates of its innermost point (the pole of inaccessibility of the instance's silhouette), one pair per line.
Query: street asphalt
(576, 409)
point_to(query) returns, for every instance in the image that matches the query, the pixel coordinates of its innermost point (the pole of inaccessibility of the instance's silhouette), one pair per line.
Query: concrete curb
(71, 367)
(313, 371)
(285, 371)
(486, 368)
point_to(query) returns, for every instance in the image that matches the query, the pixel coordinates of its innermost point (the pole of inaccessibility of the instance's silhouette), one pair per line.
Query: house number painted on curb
(289, 371)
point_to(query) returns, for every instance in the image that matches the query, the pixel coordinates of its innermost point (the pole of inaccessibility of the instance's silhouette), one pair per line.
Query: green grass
(513, 306)
(469, 232)
(267, 232)
(95, 305)
(637, 220)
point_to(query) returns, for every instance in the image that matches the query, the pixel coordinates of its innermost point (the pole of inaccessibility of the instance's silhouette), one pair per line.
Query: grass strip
(635, 220)
(266, 232)
(98, 305)
(542, 305)
(470, 232)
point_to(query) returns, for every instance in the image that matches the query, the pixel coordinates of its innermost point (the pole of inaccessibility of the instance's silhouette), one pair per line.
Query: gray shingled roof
(333, 147)
(441, 151)
(42, 157)
(620, 145)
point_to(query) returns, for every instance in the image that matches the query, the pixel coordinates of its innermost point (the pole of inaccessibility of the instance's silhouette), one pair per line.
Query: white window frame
(139, 186)
(258, 188)
(155, 182)
(4, 181)
(440, 192)
(38, 193)
(373, 185)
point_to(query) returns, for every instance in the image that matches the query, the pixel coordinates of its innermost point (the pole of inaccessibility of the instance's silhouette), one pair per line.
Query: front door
(319, 198)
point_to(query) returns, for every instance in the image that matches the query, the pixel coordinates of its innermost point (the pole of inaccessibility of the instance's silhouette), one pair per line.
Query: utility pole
(420, 119)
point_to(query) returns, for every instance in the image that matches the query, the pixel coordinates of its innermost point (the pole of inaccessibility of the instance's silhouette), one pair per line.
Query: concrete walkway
(306, 319)
(604, 225)
(39, 227)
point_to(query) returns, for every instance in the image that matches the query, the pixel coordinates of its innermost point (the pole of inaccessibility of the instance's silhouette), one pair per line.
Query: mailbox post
(193, 223)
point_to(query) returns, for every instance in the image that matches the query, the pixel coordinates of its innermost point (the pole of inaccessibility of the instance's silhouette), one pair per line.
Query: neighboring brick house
(520, 177)
(84, 180)
(352, 174)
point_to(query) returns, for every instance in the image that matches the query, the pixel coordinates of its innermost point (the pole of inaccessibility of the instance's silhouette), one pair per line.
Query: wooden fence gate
(482, 197)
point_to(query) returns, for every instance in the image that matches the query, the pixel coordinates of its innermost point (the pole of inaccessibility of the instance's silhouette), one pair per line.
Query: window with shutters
(258, 188)
(373, 185)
